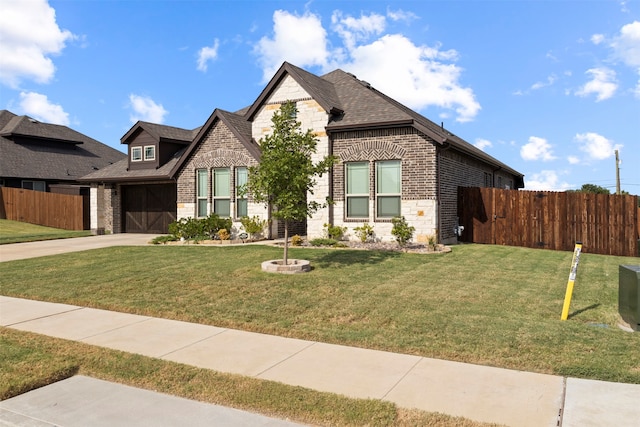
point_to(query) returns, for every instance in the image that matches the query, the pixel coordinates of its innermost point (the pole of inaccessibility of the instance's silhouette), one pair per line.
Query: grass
(18, 232)
(29, 360)
(490, 305)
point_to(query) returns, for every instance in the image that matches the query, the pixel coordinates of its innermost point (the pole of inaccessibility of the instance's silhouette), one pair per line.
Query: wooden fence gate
(37, 207)
(605, 224)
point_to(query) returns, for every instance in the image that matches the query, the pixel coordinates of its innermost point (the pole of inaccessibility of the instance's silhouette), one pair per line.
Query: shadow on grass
(339, 258)
(582, 310)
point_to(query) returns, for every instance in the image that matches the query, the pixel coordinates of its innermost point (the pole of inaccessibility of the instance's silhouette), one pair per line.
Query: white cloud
(146, 109)
(301, 40)
(39, 107)
(419, 76)
(546, 180)
(537, 149)
(626, 45)
(603, 84)
(353, 30)
(30, 35)
(596, 146)
(573, 160)
(597, 39)
(206, 54)
(550, 80)
(401, 15)
(483, 143)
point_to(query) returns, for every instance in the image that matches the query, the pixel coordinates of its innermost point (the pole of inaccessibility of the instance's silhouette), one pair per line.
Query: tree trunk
(286, 242)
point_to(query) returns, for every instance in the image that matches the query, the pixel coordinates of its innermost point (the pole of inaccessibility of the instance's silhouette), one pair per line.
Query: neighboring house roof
(42, 151)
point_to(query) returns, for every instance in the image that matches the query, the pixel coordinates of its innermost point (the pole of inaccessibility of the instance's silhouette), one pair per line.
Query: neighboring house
(392, 161)
(47, 157)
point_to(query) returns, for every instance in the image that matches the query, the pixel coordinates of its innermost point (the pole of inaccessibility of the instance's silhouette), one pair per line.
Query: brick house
(392, 160)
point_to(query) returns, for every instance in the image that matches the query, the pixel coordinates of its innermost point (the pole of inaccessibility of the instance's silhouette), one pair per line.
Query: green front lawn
(490, 305)
(16, 232)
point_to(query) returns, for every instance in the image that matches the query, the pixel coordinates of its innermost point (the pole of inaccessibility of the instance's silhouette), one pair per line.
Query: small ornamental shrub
(364, 233)
(433, 241)
(334, 232)
(402, 231)
(214, 223)
(297, 240)
(223, 234)
(254, 226)
(187, 229)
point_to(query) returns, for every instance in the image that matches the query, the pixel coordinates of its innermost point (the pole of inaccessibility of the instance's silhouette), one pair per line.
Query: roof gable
(161, 133)
(239, 126)
(318, 88)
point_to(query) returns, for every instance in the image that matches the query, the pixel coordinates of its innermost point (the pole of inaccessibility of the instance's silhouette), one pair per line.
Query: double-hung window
(221, 192)
(202, 192)
(388, 188)
(357, 189)
(241, 200)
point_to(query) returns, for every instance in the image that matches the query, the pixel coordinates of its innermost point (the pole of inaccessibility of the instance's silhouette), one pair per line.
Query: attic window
(136, 154)
(150, 152)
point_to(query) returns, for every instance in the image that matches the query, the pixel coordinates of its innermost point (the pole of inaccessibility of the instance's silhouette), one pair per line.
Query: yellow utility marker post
(572, 279)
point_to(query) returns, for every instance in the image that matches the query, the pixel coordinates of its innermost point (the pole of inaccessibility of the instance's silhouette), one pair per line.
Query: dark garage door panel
(149, 208)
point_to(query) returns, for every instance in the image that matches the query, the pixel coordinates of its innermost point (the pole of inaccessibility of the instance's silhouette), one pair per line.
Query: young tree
(286, 172)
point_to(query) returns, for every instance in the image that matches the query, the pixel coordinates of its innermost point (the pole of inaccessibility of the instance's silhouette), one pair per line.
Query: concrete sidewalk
(476, 392)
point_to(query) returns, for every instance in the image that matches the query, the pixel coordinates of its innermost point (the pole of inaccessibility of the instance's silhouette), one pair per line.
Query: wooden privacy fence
(605, 224)
(37, 207)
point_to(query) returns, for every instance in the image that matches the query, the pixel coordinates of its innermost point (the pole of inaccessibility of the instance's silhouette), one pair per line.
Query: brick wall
(219, 148)
(457, 169)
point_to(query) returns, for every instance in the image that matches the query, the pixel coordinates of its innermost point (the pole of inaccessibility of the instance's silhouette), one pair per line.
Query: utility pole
(617, 174)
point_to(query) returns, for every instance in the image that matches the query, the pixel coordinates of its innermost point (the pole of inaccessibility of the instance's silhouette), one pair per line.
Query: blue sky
(550, 88)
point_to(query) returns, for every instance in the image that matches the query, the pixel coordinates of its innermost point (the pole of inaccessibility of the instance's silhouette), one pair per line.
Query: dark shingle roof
(34, 150)
(321, 90)
(364, 106)
(162, 132)
(119, 171)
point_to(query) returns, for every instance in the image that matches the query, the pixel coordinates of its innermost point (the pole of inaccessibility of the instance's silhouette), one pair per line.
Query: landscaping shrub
(402, 231)
(334, 232)
(254, 226)
(323, 242)
(364, 233)
(297, 240)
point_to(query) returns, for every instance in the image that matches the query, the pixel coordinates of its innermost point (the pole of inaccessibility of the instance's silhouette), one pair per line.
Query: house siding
(219, 148)
(418, 164)
(455, 170)
(311, 116)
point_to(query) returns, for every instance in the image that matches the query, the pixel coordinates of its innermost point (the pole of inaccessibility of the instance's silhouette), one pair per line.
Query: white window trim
(377, 194)
(133, 151)
(149, 158)
(347, 195)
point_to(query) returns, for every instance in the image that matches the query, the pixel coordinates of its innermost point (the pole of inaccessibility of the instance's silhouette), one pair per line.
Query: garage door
(148, 208)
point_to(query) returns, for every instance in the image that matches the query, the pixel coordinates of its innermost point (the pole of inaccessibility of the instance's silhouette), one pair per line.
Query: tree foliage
(595, 189)
(286, 172)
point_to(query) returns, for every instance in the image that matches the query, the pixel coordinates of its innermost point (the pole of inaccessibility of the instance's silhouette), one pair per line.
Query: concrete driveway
(17, 251)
